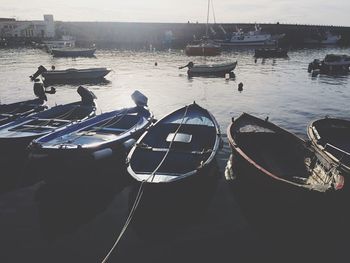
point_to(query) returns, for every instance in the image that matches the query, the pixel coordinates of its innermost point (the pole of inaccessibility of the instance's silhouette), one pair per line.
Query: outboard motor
(139, 99)
(39, 90)
(87, 96)
(40, 70)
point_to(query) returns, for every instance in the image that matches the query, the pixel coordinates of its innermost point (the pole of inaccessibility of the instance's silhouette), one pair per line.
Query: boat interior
(335, 138)
(20, 107)
(54, 118)
(192, 145)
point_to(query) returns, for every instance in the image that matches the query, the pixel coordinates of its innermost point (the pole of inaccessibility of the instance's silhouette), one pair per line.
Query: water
(41, 223)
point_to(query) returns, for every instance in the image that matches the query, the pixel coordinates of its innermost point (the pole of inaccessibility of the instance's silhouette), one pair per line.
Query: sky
(332, 12)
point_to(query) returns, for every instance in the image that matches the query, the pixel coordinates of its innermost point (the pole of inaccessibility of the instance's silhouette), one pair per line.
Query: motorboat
(332, 136)
(12, 111)
(332, 63)
(73, 52)
(326, 38)
(17, 135)
(70, 75)
(180, 146)
(250, 38)
(97, 138)
(219, 69)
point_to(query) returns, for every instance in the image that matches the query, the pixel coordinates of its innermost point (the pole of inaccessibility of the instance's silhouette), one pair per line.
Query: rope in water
(140, 193)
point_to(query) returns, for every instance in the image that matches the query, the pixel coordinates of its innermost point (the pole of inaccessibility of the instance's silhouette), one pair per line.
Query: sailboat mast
(206, 28)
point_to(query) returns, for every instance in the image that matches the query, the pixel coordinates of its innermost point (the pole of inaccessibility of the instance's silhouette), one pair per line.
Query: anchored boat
(16, 136)
(204, 48)
(73, 52)
(96, 138)
(270, 53)
(332, 136)
(210, 69)
(177, 147)
(12, 111)
(277, 163)
(70, 75)
(332, 63)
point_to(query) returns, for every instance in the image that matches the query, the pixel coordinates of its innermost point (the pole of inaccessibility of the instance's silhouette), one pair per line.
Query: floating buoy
(155, 63)
(227, 76)
(53, 67)
(240, 87)
(256, 60)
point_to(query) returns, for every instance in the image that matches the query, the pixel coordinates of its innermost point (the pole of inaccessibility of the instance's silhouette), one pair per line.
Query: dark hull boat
(210, 69)
(16, 136)
(10, 112)
(97, 138)
(270, 53)
(73, 52)
(277, 165)
(178, 147)
(71, 75)
(332, 136)
(203, 49)
(331, 64)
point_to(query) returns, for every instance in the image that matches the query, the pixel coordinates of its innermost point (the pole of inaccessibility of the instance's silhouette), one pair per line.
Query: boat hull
(270, 53)
(75, 75)
(202, 51)
(73, 53)
(215, 70)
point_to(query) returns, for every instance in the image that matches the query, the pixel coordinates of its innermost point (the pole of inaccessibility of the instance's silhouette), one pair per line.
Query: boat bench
(108, 129)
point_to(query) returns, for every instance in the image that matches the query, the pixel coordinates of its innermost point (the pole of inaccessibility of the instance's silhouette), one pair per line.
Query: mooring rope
(140, 193)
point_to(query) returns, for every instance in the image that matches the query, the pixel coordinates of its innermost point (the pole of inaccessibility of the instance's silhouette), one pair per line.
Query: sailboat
(205, 47)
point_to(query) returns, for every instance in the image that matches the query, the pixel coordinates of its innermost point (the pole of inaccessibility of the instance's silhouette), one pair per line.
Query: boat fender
(128, 144)
(240, 86)
(139, 99)
(101, 154)
(39, 90)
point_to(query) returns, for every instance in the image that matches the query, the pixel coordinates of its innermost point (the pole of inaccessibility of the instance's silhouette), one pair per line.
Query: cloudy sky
(332, 12)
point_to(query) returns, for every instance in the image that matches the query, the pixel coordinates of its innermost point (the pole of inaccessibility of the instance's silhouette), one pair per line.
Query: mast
(206, 28)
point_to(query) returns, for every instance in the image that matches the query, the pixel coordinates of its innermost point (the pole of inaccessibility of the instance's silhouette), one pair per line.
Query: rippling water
(81, 225)
(279, 88)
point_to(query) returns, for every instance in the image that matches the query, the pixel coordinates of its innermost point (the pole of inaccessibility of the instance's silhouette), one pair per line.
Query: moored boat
(97, 138)
(179, 146)
(204, 48)
(278, 164)
(12, 111)
(70, 75)
(270, 53)
(16, 136)
(332, 136)
(210, 69)
(73, 52)
(332, 63)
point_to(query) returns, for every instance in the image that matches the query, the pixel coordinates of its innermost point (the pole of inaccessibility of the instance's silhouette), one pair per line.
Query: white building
(42, 29)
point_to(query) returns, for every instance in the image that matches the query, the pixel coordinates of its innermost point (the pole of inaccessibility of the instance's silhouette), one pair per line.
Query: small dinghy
(70, 75)
(331, 64)
(271, 53)
(12, 111)
(332, 136)
(98, 137)
(277, 162)
(73, 52)
(177, 147)
(16, 136)
(210, 69)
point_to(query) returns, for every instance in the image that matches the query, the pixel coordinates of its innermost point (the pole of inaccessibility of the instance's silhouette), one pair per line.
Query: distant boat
(72, 74)
(73, 52)
(179, 146)
(16, 136)
(268, 158)
(251, 38)
(210, 69)
(12, 111)
(204, 48)
(98, 138)
(270, 53)
(332, 136)
(326, 38)
(332, 63)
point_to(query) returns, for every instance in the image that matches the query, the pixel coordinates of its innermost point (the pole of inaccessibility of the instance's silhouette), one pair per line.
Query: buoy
(155, 63)
(256, 60)
(240, 87)
(53, 67)
(227, 76)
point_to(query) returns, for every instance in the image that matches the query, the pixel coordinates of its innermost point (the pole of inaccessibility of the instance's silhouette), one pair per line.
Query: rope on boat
(140, 193)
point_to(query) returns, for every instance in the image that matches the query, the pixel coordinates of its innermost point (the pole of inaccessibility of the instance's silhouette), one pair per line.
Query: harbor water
(48, 223)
